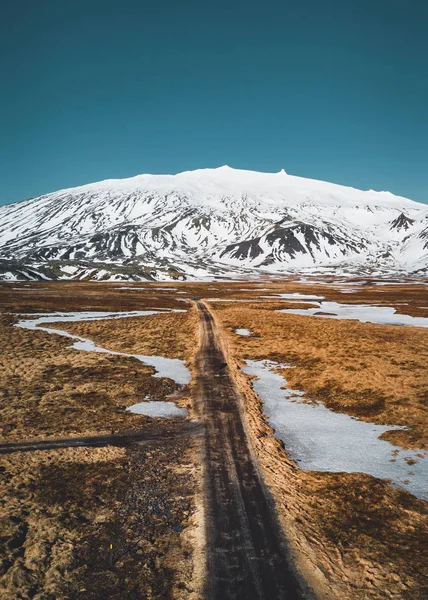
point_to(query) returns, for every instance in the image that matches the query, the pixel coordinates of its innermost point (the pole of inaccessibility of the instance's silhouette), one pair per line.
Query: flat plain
(349, 535)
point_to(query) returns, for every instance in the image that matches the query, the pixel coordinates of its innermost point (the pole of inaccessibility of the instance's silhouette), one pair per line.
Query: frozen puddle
(173, 368)
(242, 331)
(158, 409)
(232, 300)
(295, 296)
(147, 289)
(322, 440)
(366, 313)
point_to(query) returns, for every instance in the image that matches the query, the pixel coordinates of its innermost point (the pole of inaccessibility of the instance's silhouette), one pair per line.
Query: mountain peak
(211, 184)
(402, 222)
(209, 221)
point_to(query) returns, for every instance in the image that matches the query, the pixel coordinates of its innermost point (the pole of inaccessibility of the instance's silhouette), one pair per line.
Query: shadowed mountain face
(297, 241)
(210, 222)
(402, 222)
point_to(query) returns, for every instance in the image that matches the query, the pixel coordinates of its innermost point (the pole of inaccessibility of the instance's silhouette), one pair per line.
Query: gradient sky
(329, 89)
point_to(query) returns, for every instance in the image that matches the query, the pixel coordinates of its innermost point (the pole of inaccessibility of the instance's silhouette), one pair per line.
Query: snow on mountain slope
(209, 221)
(413, 253)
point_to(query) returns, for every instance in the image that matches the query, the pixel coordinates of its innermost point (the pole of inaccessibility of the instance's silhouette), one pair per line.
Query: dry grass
(50, 390)
(378, 373)
(61, 510)
(354, 537)
(171, 335)
(51, 296)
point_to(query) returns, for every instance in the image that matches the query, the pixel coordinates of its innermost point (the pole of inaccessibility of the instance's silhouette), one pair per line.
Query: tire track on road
(247, 555)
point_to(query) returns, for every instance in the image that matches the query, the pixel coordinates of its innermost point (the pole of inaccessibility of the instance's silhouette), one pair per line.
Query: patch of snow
(157, 409)
(173, 368)
(231, 300)
(365, 313)
(399, 283)
(9, 276)
(295, 296)
(241, 331)
(69, 269)
(319, 439)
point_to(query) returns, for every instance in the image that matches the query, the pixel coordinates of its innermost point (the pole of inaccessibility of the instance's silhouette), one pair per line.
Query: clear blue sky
(329, 89)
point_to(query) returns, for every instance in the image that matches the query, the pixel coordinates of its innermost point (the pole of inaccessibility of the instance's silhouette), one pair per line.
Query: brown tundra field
(98, 502)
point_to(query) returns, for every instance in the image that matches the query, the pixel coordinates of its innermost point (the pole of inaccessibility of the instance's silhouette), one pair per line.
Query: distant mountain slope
(208, 222)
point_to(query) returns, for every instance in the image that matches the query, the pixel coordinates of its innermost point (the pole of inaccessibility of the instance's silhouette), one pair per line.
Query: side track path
(247, 558)
(99, 441)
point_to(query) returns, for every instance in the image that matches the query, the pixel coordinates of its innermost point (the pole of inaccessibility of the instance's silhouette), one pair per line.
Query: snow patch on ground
(173, 368)
(231, 300)
(295, 296)
(321, 440)
(157, 409)
(399, 283)
(365, 313)
(242, 331)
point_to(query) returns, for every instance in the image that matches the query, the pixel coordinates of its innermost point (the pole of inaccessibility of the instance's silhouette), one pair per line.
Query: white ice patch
(69, 269)
(241, 331)
(173, 368)
(399, 283)
(365, 313)
(157, 409)
(231, 300)
(295, 296)
(322, 440)
(148, 289)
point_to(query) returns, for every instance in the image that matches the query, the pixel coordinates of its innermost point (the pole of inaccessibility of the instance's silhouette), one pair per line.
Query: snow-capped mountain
(208, 222)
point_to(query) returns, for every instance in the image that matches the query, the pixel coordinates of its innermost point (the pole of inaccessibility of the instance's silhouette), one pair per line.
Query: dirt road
(247, 558)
